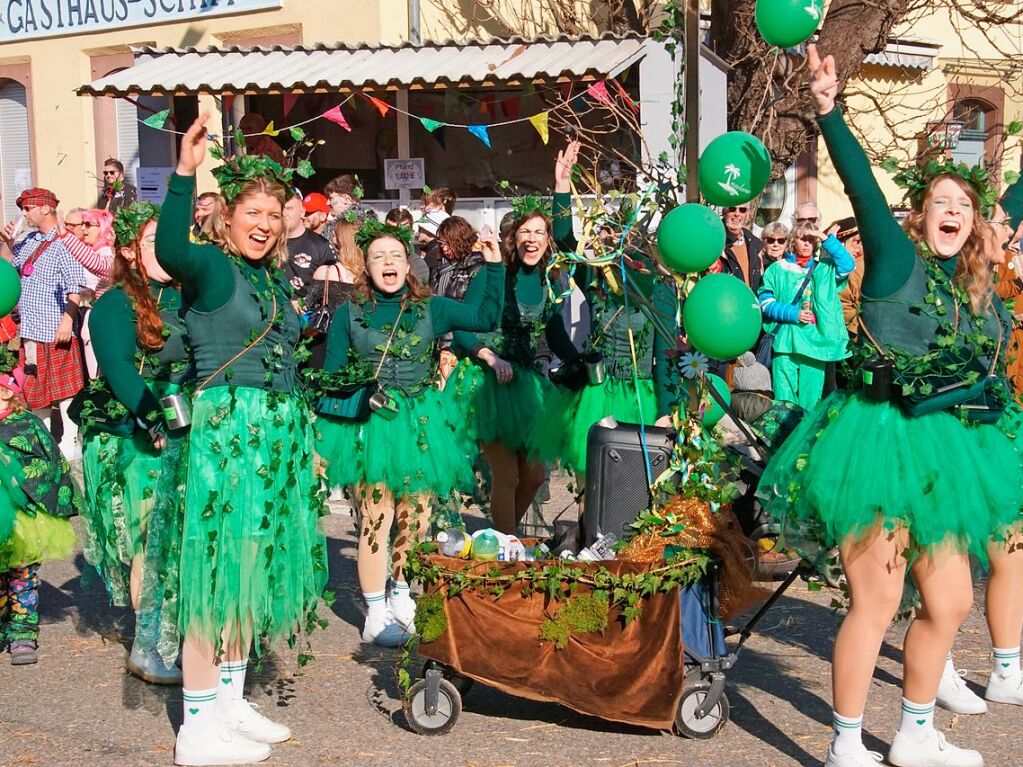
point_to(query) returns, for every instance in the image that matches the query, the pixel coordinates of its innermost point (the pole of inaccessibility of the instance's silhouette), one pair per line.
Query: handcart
(638, 673)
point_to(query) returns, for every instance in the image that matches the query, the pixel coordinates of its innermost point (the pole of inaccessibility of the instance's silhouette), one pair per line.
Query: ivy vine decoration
(131, 219)
(372, 229)
(915, 179)
(8, 360)
(239, 169)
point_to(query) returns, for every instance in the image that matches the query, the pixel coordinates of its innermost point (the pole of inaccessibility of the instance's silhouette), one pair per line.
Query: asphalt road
(79, 707)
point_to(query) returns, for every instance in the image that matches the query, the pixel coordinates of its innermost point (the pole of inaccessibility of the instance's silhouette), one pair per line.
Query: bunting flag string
(598, 91)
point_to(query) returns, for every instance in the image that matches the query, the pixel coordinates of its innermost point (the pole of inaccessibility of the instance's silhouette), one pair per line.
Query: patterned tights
(19, 603)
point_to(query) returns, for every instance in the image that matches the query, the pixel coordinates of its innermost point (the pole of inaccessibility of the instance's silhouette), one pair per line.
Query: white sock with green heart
(1006, 662)
(917, 720)
(232, 681)
(199, 708)
(848, 734)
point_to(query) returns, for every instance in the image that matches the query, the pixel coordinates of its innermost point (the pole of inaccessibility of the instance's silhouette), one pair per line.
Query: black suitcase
(617, 490)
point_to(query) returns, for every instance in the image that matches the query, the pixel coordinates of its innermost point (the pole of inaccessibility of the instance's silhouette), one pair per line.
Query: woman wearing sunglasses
(800, 300)
(776, 240)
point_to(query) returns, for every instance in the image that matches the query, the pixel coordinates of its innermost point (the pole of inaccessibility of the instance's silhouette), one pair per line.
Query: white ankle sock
(232, 681)
(376, 605)
(199, 708)
(950, 666)
(848, 734)
(1006, 662)
(917, 719)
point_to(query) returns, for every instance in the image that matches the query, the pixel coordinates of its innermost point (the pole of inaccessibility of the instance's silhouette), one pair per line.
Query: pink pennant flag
(289, 102)
(335, 116)
(599, 92)
(625, 96)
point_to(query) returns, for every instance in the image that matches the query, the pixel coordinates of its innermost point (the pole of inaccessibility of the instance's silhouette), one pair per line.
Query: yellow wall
(64, 157)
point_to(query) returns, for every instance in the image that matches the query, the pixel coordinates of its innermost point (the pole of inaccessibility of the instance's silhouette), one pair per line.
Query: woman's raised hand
(563, 167)
(193, 146)
(491, 250)
(823, 79)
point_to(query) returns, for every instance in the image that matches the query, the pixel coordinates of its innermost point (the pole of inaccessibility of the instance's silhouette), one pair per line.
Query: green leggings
(798, 379)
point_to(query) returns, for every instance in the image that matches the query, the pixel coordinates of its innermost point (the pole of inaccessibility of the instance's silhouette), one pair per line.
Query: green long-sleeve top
(230, 302)
(446, 315)
(129, 370)
(609, 324)
(1012, 203)
(527, 313)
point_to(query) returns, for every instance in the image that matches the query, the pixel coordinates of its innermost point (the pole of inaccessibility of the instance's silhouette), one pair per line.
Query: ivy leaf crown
(8, 360)
(529, 205)
(916, 178)
(372, 229)
(239, 169)
(130, 220)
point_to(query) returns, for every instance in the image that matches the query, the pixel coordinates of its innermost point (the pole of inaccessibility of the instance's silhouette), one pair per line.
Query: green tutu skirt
(419, 451)
(253, 561)
(585, 407)
(514, 413)
(853, 463)
(120, 475)
(36, 538)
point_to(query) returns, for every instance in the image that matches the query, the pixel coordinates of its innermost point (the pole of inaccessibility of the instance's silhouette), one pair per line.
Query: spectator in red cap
(51, 279)
(316, 211)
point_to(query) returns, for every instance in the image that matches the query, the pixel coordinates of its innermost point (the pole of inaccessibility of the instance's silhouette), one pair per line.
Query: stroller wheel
(689, 724)
(461, 683)
(442, 717)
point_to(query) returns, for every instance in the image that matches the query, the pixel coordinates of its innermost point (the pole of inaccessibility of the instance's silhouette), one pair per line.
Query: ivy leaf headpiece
(8, 360)
(239, 169)
(916, 178)
(373, 229)
(529, 205)
(130, 220)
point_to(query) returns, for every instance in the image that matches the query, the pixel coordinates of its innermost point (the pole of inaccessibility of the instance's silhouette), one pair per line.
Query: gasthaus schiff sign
(31, 19)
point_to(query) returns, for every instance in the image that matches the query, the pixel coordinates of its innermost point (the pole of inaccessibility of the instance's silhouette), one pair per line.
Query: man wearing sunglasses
(116, 192)
(743, 256)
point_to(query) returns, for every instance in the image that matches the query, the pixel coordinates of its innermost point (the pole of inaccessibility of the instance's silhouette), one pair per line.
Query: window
(15, 152)
(976, 116)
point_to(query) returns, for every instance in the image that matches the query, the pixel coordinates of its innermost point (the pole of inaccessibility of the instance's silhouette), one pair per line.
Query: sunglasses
(73, 224)
(110, 173)
(808, 238)
(736, 209)
(775, 240)
(806, 220)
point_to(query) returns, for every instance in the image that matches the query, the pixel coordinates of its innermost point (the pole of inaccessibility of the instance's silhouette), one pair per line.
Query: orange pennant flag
(382, 106)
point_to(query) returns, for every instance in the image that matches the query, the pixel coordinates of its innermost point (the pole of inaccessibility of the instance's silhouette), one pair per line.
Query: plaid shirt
(55, 275)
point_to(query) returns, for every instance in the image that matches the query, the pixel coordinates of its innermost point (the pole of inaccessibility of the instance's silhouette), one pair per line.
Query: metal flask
(594, 362)
(177, 411)
(383, 404)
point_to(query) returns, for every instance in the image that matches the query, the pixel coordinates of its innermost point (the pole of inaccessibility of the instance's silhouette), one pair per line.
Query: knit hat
(750, 375)
(35, 196)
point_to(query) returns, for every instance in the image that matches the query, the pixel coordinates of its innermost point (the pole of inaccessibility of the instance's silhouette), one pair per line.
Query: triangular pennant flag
(599, 92)
(540, 123)
(510, 107)
(439, 134)
(158, 120)
(487, 104)
(431, 125)
(625, 96)
(566, 90)
(270, 130)
(382, 106)
(289, 102)
(226, 102)
(480, 132)
(335, 116)
(450, 100)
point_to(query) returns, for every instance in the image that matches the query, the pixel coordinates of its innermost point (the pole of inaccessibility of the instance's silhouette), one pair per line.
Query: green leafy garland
(131, 219)
(8, 360)
(372, 229)
(239, 169)
(915, 179)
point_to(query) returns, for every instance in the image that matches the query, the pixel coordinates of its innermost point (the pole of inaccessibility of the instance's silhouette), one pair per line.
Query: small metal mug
(594, 362)
(177, 411)
(877, 380)
(383, 404)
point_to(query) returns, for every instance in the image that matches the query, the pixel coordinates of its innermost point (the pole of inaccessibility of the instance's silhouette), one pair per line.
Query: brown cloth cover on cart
(632, 674)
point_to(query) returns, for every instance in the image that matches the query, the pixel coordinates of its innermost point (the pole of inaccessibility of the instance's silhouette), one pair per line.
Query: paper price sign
(405, 174)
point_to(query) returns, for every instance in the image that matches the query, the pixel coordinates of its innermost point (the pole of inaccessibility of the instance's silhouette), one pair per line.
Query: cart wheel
(689, 724)
(440, 721)
(461, 683)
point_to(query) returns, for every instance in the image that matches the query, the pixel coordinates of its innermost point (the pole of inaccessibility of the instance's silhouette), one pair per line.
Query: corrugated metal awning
(318, 68)
(906, 55)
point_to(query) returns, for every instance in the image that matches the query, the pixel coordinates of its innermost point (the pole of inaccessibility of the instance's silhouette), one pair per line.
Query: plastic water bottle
(486, 546)
(454, 543)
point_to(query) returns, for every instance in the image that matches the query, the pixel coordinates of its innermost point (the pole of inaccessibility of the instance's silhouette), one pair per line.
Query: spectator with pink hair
(98, 233)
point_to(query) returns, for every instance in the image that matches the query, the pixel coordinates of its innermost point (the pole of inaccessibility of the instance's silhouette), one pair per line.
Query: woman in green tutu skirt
(640, 382)
(508, 399)
(404, 451)
(253, 560)
(910, 473)
(132, 465)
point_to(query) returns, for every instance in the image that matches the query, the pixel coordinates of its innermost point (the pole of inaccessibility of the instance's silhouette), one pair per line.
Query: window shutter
(15, 152)
(128, 138)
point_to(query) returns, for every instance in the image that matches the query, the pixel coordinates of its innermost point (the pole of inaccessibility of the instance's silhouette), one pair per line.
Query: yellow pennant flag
(540, 123)
(270, 130)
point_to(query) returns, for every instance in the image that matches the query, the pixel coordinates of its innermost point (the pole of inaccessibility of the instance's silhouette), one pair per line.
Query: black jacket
(754, 249)
(113, 200)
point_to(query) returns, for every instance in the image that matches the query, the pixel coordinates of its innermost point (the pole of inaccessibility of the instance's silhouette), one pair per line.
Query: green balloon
(721, 317)
(788, 23)
(714, 411)
(690, 238)
(10, 288)
(734, 168)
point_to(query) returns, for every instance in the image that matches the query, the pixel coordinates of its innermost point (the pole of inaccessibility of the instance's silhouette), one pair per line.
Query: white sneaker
(861, 758)
(403, 608)
(217, 745)
(955, 696)
(150, 667)
(1002, 689)
(242, 718)
(934, 751)
(385, 632)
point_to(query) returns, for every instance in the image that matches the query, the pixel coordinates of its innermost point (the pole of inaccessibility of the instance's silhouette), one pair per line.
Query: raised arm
(839, 256)
(449, 314)
(888, 252)
(1012, 203)
(98, 263)
(112, 325)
